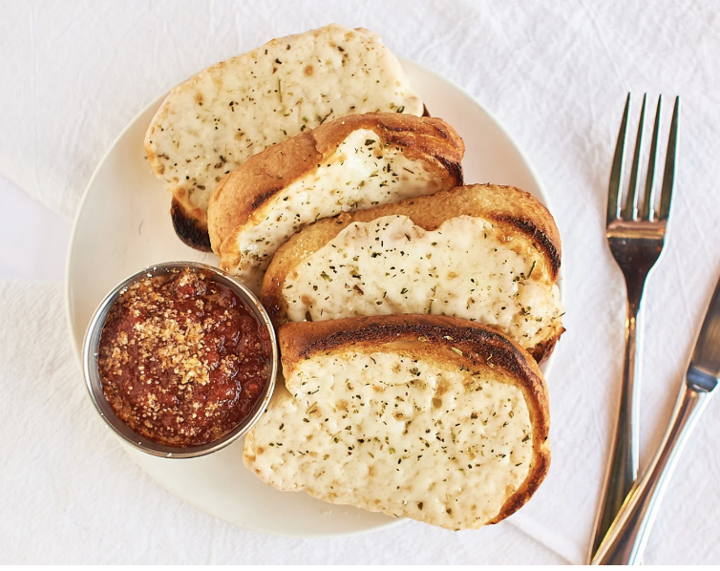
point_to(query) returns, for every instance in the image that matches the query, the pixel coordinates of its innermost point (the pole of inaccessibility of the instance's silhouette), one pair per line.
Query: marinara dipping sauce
(182, 360)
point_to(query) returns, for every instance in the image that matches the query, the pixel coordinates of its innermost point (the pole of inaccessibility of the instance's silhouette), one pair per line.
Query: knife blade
(627, 537)
(704, 369)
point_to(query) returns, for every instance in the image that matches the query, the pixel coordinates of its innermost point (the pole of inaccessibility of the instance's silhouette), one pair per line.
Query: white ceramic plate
(123, 225)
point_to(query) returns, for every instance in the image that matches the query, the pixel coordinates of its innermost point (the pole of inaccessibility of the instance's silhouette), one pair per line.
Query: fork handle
(628, 536)
(623, 469)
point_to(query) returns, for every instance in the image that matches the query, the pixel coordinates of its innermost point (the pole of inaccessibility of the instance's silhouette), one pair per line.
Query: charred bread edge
(307, 149)
(188, 228)
(478, 344)
(544, 349)
(547, 237)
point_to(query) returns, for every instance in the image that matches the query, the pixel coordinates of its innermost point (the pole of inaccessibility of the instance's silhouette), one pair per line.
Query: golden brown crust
(544, 349)
(509, 208)
(447, 339)
(246, 188)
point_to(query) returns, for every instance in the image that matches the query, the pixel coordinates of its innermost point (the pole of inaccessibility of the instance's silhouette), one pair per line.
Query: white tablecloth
(555, 74)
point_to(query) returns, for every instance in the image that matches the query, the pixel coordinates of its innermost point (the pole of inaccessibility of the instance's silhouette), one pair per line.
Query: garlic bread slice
(486, 253)
(222, 116)
(432, 418)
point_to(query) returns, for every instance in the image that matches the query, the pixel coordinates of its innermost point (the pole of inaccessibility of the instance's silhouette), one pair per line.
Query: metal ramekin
(92, 375)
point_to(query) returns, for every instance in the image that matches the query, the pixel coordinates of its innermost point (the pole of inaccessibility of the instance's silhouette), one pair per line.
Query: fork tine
(670, 160)
(649, 198)
(613, 209)
(630, 210)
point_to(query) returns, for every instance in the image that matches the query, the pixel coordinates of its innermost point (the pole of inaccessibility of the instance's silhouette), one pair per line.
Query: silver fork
(635, 233)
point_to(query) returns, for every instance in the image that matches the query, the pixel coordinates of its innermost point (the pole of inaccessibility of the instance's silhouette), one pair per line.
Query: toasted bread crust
(189, 228)
(440, 338)
(510, 208)
(246, 188)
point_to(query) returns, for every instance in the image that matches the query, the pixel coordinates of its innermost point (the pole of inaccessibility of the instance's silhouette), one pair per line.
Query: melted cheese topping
(462, 269)
(235, 109)
(389, 433)
(361, 173)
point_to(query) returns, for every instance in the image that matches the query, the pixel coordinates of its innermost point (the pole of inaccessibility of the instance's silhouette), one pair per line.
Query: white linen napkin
(555, 75)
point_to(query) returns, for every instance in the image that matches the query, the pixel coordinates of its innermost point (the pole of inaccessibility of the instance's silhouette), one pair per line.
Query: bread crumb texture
(392, 433)
(464, 268)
